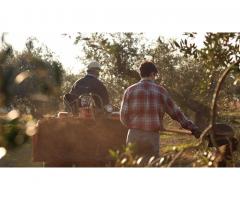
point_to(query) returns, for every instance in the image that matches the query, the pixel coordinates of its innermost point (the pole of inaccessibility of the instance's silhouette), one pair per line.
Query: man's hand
(196, 132)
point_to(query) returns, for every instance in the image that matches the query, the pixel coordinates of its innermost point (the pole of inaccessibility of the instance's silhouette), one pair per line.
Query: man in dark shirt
(90, 84)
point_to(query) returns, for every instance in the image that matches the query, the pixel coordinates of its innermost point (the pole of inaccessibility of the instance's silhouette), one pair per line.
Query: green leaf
(112, 153)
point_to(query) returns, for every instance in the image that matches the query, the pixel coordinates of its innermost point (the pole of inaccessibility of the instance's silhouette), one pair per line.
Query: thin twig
(176, 157)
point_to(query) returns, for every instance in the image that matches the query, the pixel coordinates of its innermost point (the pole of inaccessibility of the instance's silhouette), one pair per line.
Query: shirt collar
(92, 75)
(147, 79)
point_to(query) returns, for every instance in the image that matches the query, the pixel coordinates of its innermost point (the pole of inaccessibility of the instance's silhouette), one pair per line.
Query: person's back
(143, 107)
(147, 102)
(90, 84)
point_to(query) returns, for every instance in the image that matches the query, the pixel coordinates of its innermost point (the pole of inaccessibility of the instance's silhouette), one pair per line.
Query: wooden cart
(71, 141)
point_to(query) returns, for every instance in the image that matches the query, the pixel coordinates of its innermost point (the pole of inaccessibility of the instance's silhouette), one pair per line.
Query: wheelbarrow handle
(178, 131)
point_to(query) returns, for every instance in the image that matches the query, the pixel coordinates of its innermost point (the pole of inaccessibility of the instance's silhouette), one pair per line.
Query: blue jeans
(147, 142)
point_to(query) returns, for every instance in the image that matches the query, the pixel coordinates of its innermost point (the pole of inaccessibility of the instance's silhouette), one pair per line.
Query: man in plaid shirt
(143, 107)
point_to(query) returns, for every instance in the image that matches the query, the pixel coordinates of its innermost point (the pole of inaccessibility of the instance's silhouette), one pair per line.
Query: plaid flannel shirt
(144, 105)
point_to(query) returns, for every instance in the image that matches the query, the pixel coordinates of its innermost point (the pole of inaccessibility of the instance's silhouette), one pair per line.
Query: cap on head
(94, 65)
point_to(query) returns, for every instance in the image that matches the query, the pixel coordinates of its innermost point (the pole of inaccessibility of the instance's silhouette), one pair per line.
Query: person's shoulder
(130, 89)
(89, 76)
(133, 86)
(80, 80)
(92, 79)
(160, 88)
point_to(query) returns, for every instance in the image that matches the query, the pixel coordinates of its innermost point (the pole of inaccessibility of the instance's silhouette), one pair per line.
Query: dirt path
(19, 157)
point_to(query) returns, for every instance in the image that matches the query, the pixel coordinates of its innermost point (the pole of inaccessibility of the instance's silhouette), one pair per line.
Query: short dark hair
(146, 68)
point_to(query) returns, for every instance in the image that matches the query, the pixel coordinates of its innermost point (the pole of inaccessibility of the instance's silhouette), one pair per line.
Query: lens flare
(236, 81)
(161, 160)
(3, 152)
(139, 160)
(21, 77)
(151, 160)
(13, 114)
(210, 163)
(123, 161)
(31, 128)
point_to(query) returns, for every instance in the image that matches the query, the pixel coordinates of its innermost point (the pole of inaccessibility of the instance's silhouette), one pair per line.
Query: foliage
(68, 81)
(127, 158)
(187, 91)
(220, 51)
(189, 156)
(30, 83)
(119, 53)
(16, 130)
